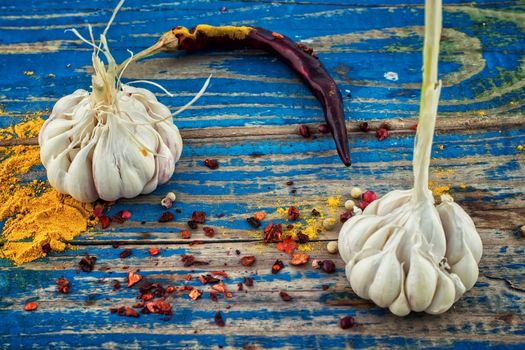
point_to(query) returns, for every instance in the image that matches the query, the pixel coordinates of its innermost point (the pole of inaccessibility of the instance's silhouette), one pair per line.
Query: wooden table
(248, 121)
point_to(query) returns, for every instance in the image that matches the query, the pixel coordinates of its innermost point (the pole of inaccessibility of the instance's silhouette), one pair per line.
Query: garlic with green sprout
(404, 253)
(117, 141)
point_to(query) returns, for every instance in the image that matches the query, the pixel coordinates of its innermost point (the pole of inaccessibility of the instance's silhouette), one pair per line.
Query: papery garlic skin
(109, 154)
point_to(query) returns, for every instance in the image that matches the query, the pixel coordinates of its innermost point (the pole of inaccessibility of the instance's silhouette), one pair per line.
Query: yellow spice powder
(37, 218)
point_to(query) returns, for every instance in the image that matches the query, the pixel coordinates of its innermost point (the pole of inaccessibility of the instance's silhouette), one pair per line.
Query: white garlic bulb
(116, 142)
(403, 253)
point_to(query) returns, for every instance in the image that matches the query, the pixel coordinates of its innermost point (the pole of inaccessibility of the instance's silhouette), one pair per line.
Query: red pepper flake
(315, 212)
(193, 224)
(277, 266)
(248, 260)
(128, 312)
(277, 35)
(31, 306)
(170, 289)
(62, 285)
(199, 217)
(211, 163)
(219, 321)
(324, 129)
(260, 215)
(87, 263)
(293, 213)
(347, 322)
(189, 260)
(345, 216)
(369, 196)
(125, 253)
(364, 127)
(302, 238)
(104, 221)
(362, 205)
(196, 243)
(299, 259)
(219, 287)
(220, 274)
(124, 214)
(382, 134)
(195, 294)
(133, 278)
(213, 295)
(285, 296)
(185, 234)
(167, 217)
(304, 131)
(273, 233)
(147, 296)
(154, 251)
(254, 222)
(208, 279)
(188, 277)
(208, 231)
(248, 281)
(116, 284)
(288, 245)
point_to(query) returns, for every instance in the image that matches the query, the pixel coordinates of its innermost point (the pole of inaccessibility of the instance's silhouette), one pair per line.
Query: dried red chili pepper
(208, 231)
(87, 263)
(211, 163)
(248, 260)
(277, 266)
(285, 296)
(219, 321)
(293, 213)
(63, 285)
(297, 56)
(31, 306)
(125, 253)
(167, 217)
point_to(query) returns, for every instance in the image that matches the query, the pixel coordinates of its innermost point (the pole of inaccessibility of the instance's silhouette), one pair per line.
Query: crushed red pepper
(189, 260)
(211, 163)
(208, 231)
(285, 296)
(293, 213)
(185, 234)
(248, 260)
(219, 321)
(273, 232)
(63, 285)
(288, 245)
(167, 217)
(278, 265)
(154, 251)
(125, 253)
(31, 306)
(87, 263)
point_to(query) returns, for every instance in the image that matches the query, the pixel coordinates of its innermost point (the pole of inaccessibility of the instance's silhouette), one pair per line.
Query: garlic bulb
(404, 253)
(117, 141)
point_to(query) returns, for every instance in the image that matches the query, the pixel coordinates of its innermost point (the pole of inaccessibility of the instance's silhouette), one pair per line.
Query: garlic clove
(421, 280)
(444, 296)
(400, 306)
(362, 274)
(385, 287)
(466, 269)
(458, 286)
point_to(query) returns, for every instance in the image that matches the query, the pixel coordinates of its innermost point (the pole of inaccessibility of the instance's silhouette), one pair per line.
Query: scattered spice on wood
(220, 274)
(208, 231)
(167, 217)
(193, 224)
(248, 281)
(382, 134)
(220, 287)
(260, 215)
(302, 238)
(278, 265)
(289, 183)
(299, 259)
(189, 260)
(237, 251)
(219, 321)
(254, 222)
(154, 251)
(364, 127)
(288, 245)
(285, 296)
(170, 289)
(133, 278)
(347, 322)
(125, 253)
(211, 163)
(345, 216)
(63, 285)
(195, 294)
(116, 284)
(188, 277)
(124, 311)
(293, 213)
(213, 296)
(31, 306)
(185, 234)
(240, 287)
(248, 260)
(198, 217)
(87, 263)
(315, 212)
(273, 232)
(208, 279)
(304, 131)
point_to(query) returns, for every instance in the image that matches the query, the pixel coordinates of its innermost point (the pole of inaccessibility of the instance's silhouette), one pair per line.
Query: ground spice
(36, 215)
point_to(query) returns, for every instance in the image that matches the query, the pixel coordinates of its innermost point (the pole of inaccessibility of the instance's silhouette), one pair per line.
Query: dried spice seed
(211, 163)
(347, 322)
(364, 127)
(277, 266)
(208, 231)
(185, 234)
(273, 233)
(193, 224)
(237, 251)
(167, 217)
(198, 217)
(62, 285)
(125, 253)
(304, 131)
(219, 321)
(382, 134)
(315, 212)
(154, 251)
(345, 216)
(285, 296)
(293, 213)
(328, 266)
(248, 281)
(302, 238)
(299, 259)
(31, 306)
(133, 278)
(87, 263)
(248, 260)
(324, 129)
(254, 222)
(104, 222)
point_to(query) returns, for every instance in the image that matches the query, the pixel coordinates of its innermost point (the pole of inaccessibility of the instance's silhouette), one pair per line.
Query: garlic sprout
(403, 252)
(115, 141)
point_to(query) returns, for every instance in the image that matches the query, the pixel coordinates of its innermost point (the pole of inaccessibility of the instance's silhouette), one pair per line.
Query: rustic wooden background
(253, 107)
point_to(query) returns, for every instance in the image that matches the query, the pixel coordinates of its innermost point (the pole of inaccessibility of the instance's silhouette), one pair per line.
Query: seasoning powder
(36, 218)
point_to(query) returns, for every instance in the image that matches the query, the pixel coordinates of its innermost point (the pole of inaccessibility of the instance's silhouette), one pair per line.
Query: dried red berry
(98, 210)
(198, 216)
(116, 284)
(167, 217)
(219, 321)
(302, 238)
(208, 231)
(369, 196)
(277, 266)
(345, 216)
(87, 263)
(324, 129)
(362, 205)
(124, 214)
(304, 131)
(248, 260)
(382, 134)
(364, 127)
(211, 163)
(104, 222)
(125, 253)
(293, 213)
(193, 224)
(285, 296)
(289, 183)
(414, 127)
(31, 306)
(255, 223)
(328, 266)
(62, 285)
(347, 322)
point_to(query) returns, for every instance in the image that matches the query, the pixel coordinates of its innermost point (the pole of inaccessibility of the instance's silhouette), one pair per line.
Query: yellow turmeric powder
(37, 218)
